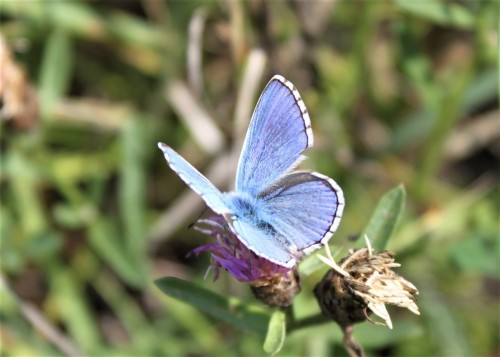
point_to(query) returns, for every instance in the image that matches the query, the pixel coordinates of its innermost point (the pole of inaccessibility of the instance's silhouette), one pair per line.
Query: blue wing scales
(305, 207)
(194, 179)
(279, 131)
(266, 244)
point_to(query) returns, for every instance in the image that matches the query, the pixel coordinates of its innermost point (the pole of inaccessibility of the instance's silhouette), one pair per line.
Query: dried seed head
(363, 283)
(337, 301)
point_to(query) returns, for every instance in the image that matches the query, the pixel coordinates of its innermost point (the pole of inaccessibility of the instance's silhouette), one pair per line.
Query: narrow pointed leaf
(229, 310)
(440, 12)
(132, 191)
(385, 218)
(102, 238)
(56, 70)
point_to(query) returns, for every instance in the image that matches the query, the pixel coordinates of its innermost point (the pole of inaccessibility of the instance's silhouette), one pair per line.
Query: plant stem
(350, 344)
(306, 322)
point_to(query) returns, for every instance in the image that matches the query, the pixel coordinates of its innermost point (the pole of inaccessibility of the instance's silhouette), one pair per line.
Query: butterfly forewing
(279, 131)
(194, 179)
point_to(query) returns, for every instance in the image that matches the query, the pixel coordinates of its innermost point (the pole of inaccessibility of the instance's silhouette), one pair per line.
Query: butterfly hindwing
(194, 179)
(305, 207)
(279, 131)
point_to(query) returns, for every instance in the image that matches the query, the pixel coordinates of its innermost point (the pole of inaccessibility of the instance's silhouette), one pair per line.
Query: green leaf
(385, 218)
(68, 294)
(103, 239)
(133, 190)
(55, 71)
(127, 310)
(76, 18)
(417, 125)
(276, 333)
(133, 30)
(311, 264)
(226, 309)
(440, 12)
(416, 66)
(24, 176)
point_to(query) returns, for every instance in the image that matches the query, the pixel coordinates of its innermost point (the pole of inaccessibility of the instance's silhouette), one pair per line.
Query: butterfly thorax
(245, 207)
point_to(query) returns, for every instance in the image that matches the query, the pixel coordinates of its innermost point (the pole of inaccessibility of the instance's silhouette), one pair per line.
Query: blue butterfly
(277, 213)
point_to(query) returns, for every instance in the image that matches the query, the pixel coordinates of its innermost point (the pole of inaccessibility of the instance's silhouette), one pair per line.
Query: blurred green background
(398, 92)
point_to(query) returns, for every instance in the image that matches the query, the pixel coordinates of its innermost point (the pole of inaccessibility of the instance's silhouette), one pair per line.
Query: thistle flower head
(271, 283)
(363, 282)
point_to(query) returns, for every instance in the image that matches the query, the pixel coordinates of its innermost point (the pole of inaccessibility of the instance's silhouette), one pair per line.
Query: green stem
(306, 322)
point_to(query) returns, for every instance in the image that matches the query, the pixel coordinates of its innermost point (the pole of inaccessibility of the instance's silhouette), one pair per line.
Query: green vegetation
(399, 92)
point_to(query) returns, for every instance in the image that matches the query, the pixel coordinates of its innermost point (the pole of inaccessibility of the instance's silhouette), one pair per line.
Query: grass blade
(229, 310)
(55, 72)
(132, 191)
(440, 12)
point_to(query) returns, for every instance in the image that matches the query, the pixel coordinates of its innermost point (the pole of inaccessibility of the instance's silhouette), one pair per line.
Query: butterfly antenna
(194, 222)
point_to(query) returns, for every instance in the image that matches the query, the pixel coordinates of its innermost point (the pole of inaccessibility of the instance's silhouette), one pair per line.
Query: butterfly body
(278, 213)
(254, 211)
(243, 205)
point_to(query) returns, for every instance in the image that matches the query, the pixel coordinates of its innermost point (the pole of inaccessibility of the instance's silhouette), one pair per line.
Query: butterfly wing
(266, 244)
(194, 179)
(305, 207)
(279, 131)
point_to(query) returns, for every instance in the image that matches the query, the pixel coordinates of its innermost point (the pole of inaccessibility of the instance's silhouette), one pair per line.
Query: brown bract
(278, 291)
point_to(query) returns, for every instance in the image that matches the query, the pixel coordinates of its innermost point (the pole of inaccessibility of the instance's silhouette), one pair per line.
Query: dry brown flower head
(364, 280)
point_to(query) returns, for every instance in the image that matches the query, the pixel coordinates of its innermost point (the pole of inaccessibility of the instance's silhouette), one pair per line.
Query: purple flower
(230, 254)
(272, 284)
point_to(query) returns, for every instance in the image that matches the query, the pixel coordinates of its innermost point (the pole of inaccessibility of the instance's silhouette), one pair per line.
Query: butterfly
(277, 213)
